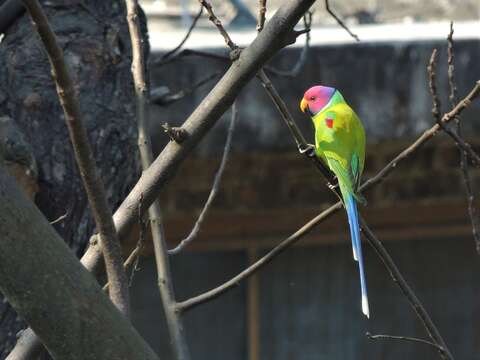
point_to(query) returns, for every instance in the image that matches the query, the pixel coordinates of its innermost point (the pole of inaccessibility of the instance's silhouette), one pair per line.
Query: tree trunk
(94, 36)
(59, 298)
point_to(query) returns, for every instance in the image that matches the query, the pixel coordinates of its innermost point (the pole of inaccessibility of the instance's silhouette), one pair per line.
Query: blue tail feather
(351, 207)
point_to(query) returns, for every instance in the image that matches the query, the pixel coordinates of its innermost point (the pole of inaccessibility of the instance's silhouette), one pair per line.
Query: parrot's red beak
(304, 105)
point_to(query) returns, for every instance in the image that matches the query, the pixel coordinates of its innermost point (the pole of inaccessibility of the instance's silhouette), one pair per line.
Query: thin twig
(302, 59)
(169, 98)
(339, 21)
(459, 141)
(260, 263)
(140, 242)
(85, 160)
(472, 211)
(216, 21)
(262, 11)
(427, 135)
(60, 218)
(215, 187)
(189, 52)
(135, 254)
(187, 35)
(398, 279)
(405, 338)
(452, 97)
(432, 84)
(165, 286)
(209, 55)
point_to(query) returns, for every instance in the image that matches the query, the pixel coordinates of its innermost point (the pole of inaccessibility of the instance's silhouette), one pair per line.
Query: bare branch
(262, 10)
(59, 219)
(138, 248)
(451, 68)
(184, 40)
(295, 70)
(431, 69)
(10, 11)
(216, 184)
(472, 211)
(459, 141)
(260, 263)
(135, 254)
(427, 135)
(190, 52)
(84, 157)
(216, 21)
(406, 289)
(339, 21)
(405, 338)
(27, 347)
(174, 322)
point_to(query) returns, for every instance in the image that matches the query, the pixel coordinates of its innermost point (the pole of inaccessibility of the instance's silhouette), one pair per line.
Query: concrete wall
(385, 83)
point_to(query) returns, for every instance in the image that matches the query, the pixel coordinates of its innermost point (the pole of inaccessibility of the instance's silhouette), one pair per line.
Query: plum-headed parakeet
(340, 144)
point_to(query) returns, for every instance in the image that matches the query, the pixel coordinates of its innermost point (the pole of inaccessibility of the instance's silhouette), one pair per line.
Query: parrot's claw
(307, 149)
(332, 186)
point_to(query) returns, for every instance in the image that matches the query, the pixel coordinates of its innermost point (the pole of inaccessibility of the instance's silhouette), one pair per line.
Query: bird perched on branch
(340, 144)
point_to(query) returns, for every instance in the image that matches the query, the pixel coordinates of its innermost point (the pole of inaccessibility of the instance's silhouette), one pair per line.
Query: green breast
(339, 134)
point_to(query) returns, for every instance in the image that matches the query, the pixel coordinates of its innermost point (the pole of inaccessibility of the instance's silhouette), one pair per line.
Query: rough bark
(94, 37)
(60, 299)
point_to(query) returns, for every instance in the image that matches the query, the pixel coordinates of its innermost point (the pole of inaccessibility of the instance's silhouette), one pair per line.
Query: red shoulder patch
(329, 122)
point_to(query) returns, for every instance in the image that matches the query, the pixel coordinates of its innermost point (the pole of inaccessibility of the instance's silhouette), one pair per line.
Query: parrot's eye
(312, 98)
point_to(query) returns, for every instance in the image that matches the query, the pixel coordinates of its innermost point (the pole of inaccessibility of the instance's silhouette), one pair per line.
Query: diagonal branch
(339, 21)
(216, 21)
(165, 285)
(405, 338)
(187, 35)
(398, 279)
(302, 59)
(262, 11)
(84, 157)
(216, 184)
(426, 136)
(472, 211)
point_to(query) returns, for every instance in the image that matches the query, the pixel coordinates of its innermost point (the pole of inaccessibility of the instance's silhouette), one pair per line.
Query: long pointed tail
(351, 207)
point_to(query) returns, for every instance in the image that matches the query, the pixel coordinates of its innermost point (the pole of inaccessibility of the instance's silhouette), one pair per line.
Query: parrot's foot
(332, 187)
(176, 134)
(307, 149)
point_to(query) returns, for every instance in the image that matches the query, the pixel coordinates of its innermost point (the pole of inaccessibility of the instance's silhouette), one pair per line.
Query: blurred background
(305, 305)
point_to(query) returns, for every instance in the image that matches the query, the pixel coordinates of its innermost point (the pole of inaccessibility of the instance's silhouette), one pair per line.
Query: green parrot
(340, 144)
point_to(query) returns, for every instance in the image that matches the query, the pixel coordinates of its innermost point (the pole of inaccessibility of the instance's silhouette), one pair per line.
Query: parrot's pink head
(316, 98)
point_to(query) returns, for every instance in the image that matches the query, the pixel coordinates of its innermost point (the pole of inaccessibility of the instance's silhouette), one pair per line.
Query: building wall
(309, 303)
